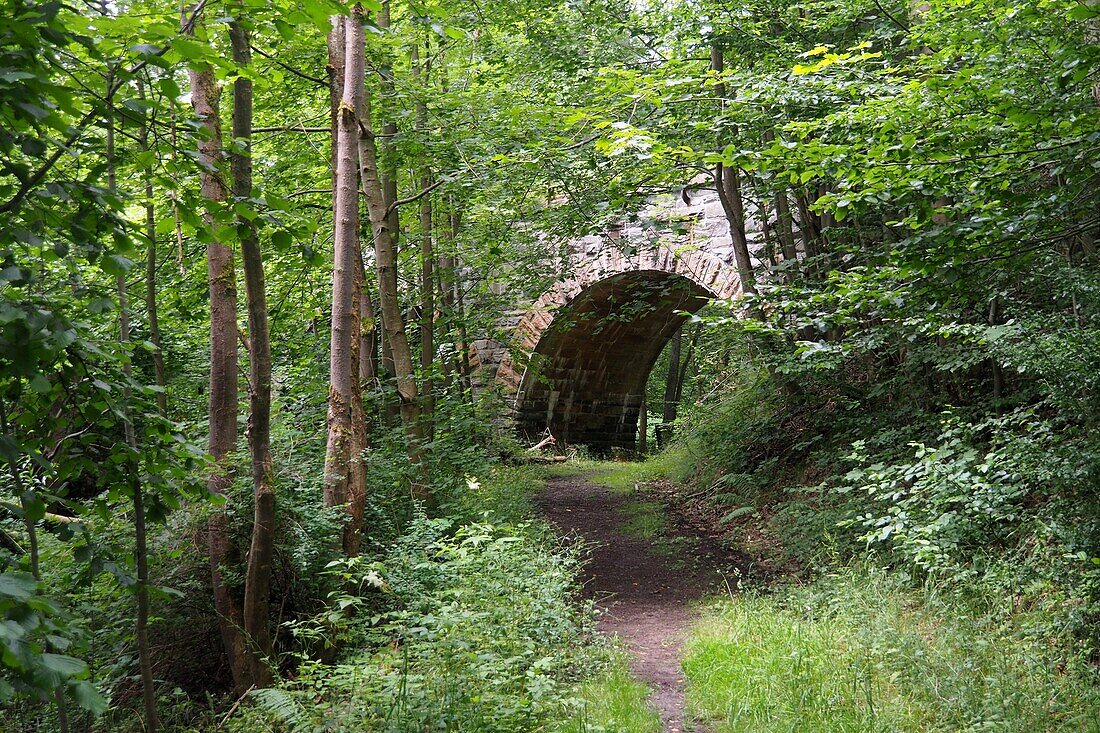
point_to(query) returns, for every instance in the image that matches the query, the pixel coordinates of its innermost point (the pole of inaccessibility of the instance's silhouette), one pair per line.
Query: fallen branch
(548, 440)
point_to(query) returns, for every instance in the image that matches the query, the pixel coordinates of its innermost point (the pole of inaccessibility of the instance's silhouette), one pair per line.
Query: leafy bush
(484, 635)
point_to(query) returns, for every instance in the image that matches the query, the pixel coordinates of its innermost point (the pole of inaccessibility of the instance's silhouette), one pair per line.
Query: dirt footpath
(646, 593)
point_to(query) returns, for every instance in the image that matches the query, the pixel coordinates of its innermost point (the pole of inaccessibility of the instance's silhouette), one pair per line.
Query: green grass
(644, 519)
(624, 476)
(862, 653)
(614, 703)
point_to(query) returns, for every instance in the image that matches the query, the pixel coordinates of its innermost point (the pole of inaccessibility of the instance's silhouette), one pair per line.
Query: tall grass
(862, 653)
(613, 703)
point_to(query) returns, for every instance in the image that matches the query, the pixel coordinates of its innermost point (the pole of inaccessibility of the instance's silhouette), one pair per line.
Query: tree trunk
(257, 588)
(368, 349)
(668, 408)
(681, 378)
(391, 411)
(141, 550)
(345, 473)
(728, 183)
(809, 225)
(785, 230)
(151, 269)
(784, 223)
(388, 171)
(465, 366)
(393, 324)
(345, 228)
(643, 426)
(769, 243)
(363, 370)
(221, 275)
(427, 255)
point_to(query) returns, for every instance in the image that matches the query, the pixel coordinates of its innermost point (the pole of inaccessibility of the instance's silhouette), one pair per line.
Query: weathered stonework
(580, 354)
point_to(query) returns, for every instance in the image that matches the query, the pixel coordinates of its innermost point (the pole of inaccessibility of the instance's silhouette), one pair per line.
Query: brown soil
(645, 591)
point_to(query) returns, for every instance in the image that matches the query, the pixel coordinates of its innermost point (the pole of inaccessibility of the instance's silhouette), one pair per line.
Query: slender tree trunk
(362, 368)
(345, 228)
(175, 196)
(351, 362)
(728, 183)
(785, 230)
(223, 405)
(257, 589)
(784, 223)
(466, 368)
(345, 472)
(681, 377)
(452, 367)
(368, 351)
(827, 219)
(809, 225)
(643, 426)
(151, 270)
(141, 549)
(769, 242)
(427, 256)
(998, 372)
(385, 259)
(387, 171)
(668, 408)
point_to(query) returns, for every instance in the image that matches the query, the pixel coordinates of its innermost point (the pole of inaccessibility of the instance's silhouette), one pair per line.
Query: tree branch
(291, 69)
(416, 197)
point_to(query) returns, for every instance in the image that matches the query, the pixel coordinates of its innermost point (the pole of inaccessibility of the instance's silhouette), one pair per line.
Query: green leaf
(282, 239)
(64, 665)
(190, 50)
(17, 585)
(88, 697)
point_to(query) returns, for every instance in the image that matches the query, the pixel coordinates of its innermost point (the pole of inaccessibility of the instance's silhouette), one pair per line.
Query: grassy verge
(861, 651)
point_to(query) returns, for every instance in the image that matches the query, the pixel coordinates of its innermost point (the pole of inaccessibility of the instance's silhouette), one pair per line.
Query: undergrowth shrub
(993, 505)
(483, 634)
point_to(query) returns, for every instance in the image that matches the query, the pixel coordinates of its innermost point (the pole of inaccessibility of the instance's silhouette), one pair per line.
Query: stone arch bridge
(578, 357)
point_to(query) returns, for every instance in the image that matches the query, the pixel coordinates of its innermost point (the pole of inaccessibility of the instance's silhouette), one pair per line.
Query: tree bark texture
(344, 471)
(727, 181)
(257, 588)
(427, 255)
(809, 225)
(385, 259)
(223, 404)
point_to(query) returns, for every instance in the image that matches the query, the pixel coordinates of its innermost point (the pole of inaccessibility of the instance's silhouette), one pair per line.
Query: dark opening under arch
(587, 374)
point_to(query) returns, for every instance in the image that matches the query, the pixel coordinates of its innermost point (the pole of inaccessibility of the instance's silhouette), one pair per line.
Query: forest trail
(644, 586)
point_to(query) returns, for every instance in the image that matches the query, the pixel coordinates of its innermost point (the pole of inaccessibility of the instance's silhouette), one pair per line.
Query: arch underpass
(586, 377)
(581, 355)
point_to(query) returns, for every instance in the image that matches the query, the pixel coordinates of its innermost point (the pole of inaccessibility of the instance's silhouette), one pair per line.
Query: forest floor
(648, 566)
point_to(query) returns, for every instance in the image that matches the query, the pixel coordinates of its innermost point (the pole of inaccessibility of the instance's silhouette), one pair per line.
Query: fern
(281, 707)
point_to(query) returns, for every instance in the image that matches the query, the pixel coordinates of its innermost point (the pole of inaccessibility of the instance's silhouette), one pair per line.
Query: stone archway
(581, 355)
